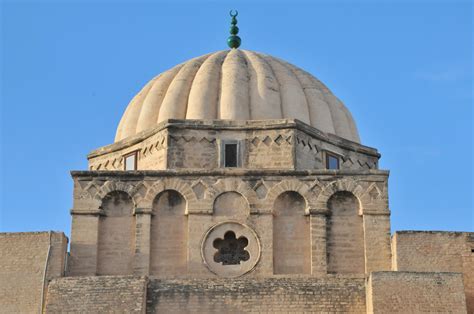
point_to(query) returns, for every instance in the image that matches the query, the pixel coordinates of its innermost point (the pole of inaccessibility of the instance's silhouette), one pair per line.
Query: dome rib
(291, 69)
(319, 112)
(265, 101)
(153, 100)
(203, 96)
(339, 122)
(234, 93)
(293, 99)
(131, 116)
(175, 101)
(237, 85)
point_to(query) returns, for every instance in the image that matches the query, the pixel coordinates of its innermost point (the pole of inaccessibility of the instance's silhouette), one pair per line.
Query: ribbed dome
(237, 85)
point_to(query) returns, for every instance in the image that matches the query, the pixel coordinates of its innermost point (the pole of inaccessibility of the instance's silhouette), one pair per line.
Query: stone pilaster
(318, 244)
(142, 241)
(84, 243)
(378, 255)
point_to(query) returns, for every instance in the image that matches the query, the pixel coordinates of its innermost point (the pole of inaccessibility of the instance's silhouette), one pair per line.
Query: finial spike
(233, 41)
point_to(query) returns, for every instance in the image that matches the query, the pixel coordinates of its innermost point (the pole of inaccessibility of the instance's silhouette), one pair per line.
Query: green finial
(233, 41)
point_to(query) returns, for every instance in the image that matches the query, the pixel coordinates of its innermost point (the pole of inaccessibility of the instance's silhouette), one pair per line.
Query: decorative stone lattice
(230, 250)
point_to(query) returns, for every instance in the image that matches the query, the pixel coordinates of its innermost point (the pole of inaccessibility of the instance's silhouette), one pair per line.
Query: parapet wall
(436, 251)
(244, 295)
(413, 292)
(382, 292)
(99, 294)
(127, 294)
(26, 267)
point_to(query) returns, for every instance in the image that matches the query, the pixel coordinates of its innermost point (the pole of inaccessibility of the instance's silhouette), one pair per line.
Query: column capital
(318, 211)
(85, 211)
(143, 211)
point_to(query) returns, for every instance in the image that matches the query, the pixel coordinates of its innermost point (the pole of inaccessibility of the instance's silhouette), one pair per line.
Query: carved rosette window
(230, 249)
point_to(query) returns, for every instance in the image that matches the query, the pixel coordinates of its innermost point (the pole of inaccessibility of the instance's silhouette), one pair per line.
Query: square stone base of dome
(261, 144)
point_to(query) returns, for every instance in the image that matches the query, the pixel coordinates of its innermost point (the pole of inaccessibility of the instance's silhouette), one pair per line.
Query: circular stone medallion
(230, 249)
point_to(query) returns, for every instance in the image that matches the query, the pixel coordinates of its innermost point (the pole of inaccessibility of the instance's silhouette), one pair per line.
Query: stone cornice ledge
(85, 211)
(236, 125)
(226, 172)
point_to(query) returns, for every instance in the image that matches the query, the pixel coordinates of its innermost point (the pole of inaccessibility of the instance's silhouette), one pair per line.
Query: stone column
(142, 241)
(318, 243)
(84, 243)
(378, 255)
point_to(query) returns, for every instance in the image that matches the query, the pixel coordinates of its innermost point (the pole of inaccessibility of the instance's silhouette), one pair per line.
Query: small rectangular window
(130, 161)
(230, 155)
(332, 161)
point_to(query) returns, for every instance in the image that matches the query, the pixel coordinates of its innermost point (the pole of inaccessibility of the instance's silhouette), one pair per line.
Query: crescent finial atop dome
(234, 41)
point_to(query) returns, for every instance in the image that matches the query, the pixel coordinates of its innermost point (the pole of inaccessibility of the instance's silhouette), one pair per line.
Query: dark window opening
(130, 161)
(231, 251)
(230, 157)
(332, 161)
(472, 250)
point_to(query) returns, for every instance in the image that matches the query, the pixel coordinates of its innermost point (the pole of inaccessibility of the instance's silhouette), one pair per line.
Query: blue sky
(403, 68)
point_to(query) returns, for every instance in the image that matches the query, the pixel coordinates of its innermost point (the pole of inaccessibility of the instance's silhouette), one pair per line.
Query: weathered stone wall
(244, 295)
(266, 149)
(248, 197)
(83, 258)
(151, 146)
(382, 292)
(102, 294)
(345, 235)
(191, 149)
(270, 144)
(116, 235)
(436, 251)
(23, 261)
(310, 153)
(169, 235)
(412, 292)
(291, 235)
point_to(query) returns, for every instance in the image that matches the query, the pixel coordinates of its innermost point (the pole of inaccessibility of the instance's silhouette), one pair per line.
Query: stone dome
(237, 85)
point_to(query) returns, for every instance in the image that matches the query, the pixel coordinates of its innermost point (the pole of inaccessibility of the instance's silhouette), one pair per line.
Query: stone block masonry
(268, 295)
(102, 294)
(415, 292)
(437, 251)
(263, 144)
(28, 260)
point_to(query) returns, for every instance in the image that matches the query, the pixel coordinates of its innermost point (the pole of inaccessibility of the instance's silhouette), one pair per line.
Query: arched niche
(116, 243)
(345, 235)
(231, 204)
(291, 235)
(169, 235)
